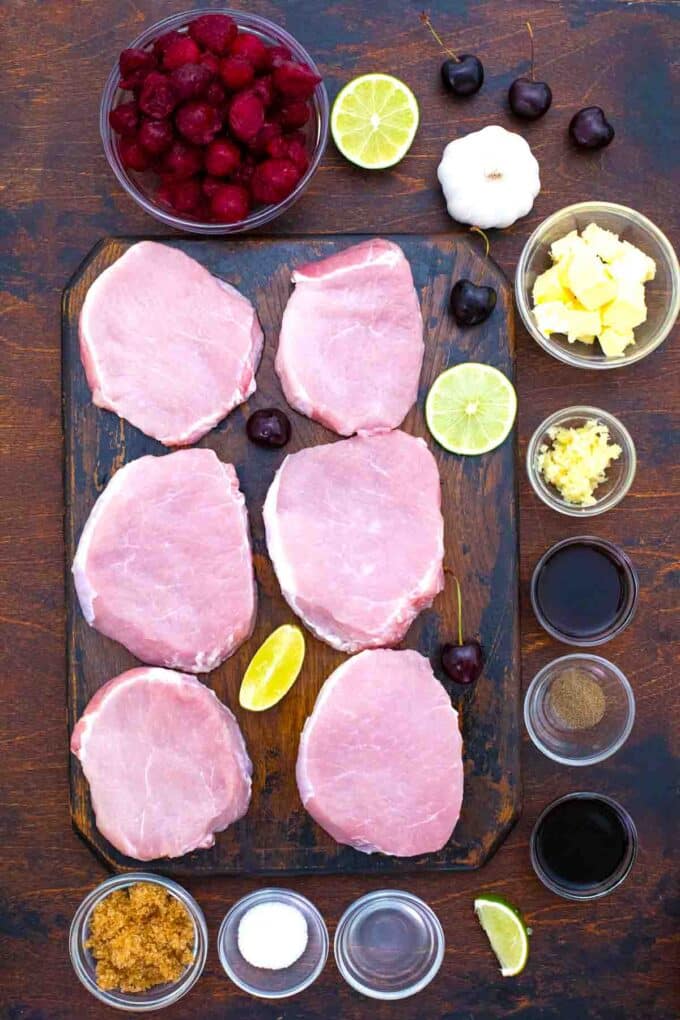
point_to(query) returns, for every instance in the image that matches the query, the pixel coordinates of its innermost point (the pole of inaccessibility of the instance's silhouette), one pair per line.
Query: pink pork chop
(351, 344)
(166, 345)
(164, 562)
(355, 533)
(166, 763)
(380, 761)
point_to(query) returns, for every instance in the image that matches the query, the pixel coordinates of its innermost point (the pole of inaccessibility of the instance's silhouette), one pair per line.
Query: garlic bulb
(489, 178)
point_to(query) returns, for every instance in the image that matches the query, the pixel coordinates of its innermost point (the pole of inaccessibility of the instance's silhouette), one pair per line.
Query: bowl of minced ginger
(138, 942)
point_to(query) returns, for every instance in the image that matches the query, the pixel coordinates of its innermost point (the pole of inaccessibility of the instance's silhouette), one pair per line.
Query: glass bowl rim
(616, 745)
(605, 502)
(613, 631)
(257, 218)
(183, 984)
(267, 895)
(603, 888)
(355, 908)
(569, 357)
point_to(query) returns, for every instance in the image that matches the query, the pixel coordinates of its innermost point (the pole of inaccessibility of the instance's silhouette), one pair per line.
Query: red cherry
(199, 122)
(182, 161)
(163, 41)
(210, 186)
(243, 174)
(214, 32)
(186, 196)
(125, 118)
(191, 80)
(294, 114)
(158, 97)
(252, 48)
(230, 203)
(277, 55)
(156, 136)
(222, 157)
(236, 72)
(246, 116)
(135, 59)
(180, 51)
(210, 61)
(277, 147)
(132, 155)
(274, 180)
(297, 154)
(264, 89)
(295, 81)
(267, 133)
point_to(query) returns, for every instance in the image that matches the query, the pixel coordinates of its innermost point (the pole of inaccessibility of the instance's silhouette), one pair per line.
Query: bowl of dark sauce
(584, 591)
(583, 846)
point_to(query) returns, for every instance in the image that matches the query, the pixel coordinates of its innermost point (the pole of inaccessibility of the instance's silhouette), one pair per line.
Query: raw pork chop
(351, 343)
(380, 760)
(164, 565)
(355, 533)
(167, 345)
(166, 763)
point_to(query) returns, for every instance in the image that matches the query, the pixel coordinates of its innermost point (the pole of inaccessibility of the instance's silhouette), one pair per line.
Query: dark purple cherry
(590, 129)
(269, 428)
(529, 98)
(462, 73)
(471, 303)
(463, 663)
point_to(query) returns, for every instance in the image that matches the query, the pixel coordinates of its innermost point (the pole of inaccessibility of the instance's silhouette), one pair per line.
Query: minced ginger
(576, 462)
(140, 937)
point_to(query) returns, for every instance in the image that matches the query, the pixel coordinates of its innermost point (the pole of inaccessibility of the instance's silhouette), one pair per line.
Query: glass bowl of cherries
(214, 122)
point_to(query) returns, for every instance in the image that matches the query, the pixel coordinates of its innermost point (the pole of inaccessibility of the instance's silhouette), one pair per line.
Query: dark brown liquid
(581, 842)
(582, 590)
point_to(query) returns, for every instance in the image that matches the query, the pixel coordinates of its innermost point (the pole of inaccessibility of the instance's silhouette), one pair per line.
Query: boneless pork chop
(355, 533)
(166, 763)
(164, 562)
(351, 344)
(380, 759)
(166, 345)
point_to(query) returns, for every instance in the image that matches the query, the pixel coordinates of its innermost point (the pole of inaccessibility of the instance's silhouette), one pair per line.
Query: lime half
(273, 669)
(471, 408)
(507, 932)
(374, 120)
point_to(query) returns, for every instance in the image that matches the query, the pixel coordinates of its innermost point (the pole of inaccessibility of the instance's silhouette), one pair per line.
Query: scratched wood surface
(478, 502)
(614, 959)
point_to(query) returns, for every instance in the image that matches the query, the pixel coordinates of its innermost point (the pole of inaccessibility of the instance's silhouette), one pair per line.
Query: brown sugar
(140, 936)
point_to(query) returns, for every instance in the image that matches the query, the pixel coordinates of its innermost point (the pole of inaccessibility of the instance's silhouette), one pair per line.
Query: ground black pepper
(576, 700)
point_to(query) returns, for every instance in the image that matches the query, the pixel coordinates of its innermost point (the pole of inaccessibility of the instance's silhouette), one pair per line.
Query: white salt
(272, 936)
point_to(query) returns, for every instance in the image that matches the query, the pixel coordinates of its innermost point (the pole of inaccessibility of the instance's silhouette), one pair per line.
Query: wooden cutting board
(480, 510)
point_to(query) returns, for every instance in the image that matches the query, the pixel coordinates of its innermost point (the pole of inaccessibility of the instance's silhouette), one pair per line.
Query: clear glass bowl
(84, 963)
(389, 945)
(138, 185)
(273, 984)
(662, 294)
(619, 475)
(580, 746)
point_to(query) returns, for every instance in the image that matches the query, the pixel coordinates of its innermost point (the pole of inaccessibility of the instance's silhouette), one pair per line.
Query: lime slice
(273, 669)
(374, 120)
(471, 408)
(507, 932)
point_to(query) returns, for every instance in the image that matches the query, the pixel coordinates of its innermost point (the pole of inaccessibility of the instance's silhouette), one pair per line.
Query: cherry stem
(447, 570)
(425, 18)
(487, 245)
(531, 36)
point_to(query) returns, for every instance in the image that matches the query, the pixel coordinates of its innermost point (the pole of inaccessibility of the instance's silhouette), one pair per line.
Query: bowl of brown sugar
(579, 709)
(138, 942)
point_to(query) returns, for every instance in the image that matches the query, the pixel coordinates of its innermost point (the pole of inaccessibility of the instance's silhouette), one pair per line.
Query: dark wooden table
(616, 958)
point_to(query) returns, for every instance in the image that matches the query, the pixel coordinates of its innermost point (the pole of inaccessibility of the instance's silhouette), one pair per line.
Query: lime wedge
(507, 932)
(374, 120)
(471, 408)
(273, 669)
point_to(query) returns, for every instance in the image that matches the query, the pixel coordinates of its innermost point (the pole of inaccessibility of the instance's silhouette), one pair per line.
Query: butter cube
(548, 287)
(583, 325)
(603, 242)
(552, 317)
(589, 281)
(632, 264)
(614, 342)
(565, 246)
(628, 309)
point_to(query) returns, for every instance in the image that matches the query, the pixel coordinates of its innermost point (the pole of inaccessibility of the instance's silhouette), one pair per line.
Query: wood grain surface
(617, 958)
(479, 507)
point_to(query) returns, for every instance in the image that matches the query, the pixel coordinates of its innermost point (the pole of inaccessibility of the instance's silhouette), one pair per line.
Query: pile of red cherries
(217, 115)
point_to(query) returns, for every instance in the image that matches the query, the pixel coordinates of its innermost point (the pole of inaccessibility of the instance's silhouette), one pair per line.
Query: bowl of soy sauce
(583, 846)
(584, 591)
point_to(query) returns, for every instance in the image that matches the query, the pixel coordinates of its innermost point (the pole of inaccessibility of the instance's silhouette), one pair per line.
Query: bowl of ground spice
(579, 709)
(138, 942)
